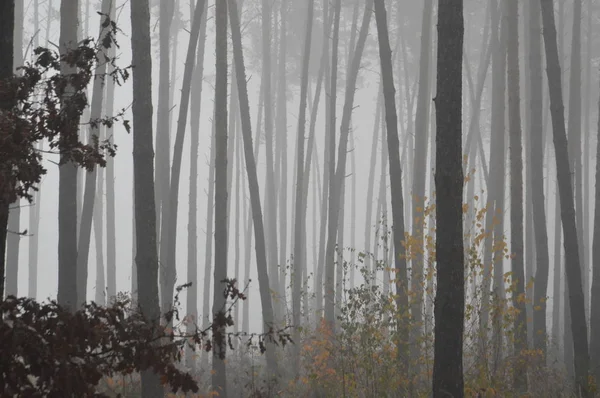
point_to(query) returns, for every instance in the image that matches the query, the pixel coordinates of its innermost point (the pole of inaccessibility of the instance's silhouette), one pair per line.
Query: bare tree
(450, 293)
(146, 257)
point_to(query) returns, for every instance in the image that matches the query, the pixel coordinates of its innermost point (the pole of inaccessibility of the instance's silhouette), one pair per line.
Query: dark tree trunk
(219, 375)
(536, 154)
(192, 243)
(573, 270)
(146, 257)
(67, 186)
(516, 194)
(450, 295)
(389, 93)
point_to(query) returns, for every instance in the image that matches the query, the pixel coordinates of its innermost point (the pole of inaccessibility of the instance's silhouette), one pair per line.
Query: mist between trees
(370, 198)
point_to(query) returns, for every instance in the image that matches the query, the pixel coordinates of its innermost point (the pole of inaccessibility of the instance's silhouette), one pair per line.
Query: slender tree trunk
(7, 28)
(389, 93)
(371, 180)
(516, 194)
(209, 231)
(595, 303)
(418, 186)
(143, 168)
(67, 195)
(163, 134)
(271, 199)
(340, 171)
(89, 194)
(536, 153)
(192, 240)
(450, 295)
(111, 231)
(100, 289)
(300, 211)
(257, 218)
(13, 238)
(573, 269)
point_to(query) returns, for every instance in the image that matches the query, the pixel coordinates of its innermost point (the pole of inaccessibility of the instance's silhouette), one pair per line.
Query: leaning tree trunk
(146, 256)
(450, 293)
(389, 93)
(536, 153)
(340, 171)
(169, 269)
(573, 270)
(67, 185)
(89, 194)
(257, 218)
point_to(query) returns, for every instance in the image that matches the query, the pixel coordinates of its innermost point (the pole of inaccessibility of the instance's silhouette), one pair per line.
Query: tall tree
(418, 183)
(146, 256)
(219, 375)
(169, 269)
(536, 153)
(300, 211)
(595, 302)
(89, 194)
(192, 254)
(571, 244)
(13, 239)
(450, 293)
(516, 192)
(389, 93)
(67, 185)
(7, 23)
(256, 210)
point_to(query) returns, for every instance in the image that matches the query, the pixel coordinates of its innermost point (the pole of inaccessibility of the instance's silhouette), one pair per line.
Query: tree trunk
(340, 171)
(536, 154)
(573, 270)
(111, 231)
(163, 134)
(257, 218)
(67, 186)
(418, 186)
(271, 198)
(143, 168)
(516, 194)
(13, 238)
(595, 303)
(192, 240)
(389, 93)
(450, 294)
(89, 194)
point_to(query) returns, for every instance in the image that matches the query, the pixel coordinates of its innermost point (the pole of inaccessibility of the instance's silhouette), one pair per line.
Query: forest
(300, 198)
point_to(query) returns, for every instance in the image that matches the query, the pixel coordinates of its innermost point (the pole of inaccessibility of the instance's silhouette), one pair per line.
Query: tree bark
(146, 257)
(571, 244)
(111, 230)
(67, 185)
(192, 240)
(536, 154)
(389, 93)
(450, 293)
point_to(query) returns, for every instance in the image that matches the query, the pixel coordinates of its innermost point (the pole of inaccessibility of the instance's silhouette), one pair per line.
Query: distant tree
(389, 92)
(450, 294)
(567, 203)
